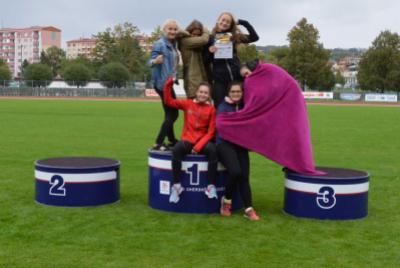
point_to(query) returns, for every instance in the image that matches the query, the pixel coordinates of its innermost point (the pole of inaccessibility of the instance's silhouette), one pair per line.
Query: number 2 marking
(57, 186)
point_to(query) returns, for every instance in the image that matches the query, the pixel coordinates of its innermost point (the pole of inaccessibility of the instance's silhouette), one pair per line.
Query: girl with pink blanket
(274, 120)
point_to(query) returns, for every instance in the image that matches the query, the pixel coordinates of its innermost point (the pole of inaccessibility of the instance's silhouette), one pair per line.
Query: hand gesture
(158, 60)
(212, 49)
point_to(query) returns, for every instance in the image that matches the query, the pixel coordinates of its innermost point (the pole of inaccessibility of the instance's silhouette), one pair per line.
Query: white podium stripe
(166, 164)
(78, 178)
(339, 189)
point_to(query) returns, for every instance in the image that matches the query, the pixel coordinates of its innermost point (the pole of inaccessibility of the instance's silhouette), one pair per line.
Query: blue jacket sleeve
(157, 50)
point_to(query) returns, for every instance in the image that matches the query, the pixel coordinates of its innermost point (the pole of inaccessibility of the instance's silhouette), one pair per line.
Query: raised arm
(196, 41)
(169, 100)
(252, 36)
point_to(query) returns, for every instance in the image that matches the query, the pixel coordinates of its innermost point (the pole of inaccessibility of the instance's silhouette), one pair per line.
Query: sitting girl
(198, 131)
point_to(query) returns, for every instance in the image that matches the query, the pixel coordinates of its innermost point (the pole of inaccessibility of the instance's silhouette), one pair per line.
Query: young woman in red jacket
(198, 131)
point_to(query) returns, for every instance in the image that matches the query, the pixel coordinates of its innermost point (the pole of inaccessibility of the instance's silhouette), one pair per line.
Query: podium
(194, 182)
(341, 194)
(77, 181)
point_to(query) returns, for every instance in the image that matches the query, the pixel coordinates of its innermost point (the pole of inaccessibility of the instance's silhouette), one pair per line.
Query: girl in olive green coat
(191, 44)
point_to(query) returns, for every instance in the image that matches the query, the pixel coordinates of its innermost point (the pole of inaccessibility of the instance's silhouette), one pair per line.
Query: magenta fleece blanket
(273, 121)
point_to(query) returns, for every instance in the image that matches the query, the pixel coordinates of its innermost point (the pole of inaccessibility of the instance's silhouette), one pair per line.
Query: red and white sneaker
(251, 214)
(225, 207)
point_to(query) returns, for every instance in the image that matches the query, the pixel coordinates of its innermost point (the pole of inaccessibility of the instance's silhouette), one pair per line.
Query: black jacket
(228, 70)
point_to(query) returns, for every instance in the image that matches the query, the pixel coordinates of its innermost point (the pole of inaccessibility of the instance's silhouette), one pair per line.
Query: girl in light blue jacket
(164, 63)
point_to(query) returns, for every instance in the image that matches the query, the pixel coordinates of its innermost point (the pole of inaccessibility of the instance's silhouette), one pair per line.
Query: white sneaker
(176, 190)
(211, 191)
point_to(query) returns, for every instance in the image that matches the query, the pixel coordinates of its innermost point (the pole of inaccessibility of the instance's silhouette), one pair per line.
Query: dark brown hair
(195, 24)
(235, 83)
(204, 83)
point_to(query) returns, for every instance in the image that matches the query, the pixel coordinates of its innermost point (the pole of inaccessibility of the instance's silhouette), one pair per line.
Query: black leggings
(182, 148)
(219, 91)
(237, 163)
(170, 116)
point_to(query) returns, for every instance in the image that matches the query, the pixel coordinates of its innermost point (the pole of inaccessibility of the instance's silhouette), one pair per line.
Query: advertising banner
(350, 96)
(311, 95)
(381, 97)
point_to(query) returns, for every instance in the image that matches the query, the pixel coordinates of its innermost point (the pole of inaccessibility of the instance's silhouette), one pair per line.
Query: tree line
(118, 58)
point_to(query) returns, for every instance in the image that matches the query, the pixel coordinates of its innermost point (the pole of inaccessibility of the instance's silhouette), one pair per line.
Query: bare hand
(158, 60)
(193, 152)
(212, 49)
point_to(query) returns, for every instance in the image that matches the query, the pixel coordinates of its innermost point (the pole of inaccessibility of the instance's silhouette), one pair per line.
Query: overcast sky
(341, 23)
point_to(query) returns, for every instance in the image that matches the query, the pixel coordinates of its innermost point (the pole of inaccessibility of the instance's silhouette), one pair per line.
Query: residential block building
(17, 45)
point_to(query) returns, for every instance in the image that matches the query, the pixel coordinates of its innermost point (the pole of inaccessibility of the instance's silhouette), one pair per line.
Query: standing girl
(222, 53)
(235, 159)
(191, 45)
(198, 131)
(164, 61)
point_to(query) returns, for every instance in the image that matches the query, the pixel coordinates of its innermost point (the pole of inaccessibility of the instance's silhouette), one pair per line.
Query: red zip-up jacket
(199, 120)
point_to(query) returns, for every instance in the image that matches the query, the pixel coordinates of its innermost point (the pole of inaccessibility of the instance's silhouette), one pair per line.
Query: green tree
(307, 59)
(5, 75)
(38, 74)
(379, 68)
(155, 35)
(120, 44)
(52, 57)
(79, 60)
(278, 56)
(113, 75)
(249, 52)
(76, 74)
(339, 79)
(23, 67)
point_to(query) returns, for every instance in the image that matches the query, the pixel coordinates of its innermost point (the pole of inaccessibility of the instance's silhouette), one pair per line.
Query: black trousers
(182, 148)
(219, 91)
(236, 161)
(170, 116)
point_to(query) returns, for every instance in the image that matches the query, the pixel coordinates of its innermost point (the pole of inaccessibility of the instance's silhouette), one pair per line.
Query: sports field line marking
(146, 100)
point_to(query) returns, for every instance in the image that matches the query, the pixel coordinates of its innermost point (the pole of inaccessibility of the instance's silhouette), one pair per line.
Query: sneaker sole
(247, 217)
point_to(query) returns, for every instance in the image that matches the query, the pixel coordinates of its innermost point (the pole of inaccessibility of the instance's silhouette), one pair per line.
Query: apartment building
(17, 45)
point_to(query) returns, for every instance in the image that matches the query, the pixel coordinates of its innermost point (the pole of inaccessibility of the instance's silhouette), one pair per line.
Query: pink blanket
(273, 121)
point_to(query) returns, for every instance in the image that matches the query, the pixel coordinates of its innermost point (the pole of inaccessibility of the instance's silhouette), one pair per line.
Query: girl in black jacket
(221, 53)
(235, 159)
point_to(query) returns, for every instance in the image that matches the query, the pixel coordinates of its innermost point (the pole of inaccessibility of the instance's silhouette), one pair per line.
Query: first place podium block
(194, 181)
(77, 181)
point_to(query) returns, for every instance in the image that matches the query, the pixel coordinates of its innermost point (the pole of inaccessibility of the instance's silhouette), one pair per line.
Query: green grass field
(130, 234)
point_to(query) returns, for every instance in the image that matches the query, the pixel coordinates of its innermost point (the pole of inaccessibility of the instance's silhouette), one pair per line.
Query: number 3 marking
(57, 186)
(326, 197)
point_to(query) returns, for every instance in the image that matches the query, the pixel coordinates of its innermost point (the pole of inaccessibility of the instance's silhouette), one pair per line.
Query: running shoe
(176, 190)
(251, 214)
(159, 147)
(225, 207)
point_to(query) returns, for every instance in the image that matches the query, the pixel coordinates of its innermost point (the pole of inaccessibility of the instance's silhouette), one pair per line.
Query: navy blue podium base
(341, 194)
(77, 181)
(194, 181)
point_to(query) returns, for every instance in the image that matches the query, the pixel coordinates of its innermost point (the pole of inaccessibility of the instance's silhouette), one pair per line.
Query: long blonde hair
(237, 35)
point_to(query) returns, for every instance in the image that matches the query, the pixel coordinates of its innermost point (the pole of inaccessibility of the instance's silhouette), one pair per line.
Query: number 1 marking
(193, 172)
